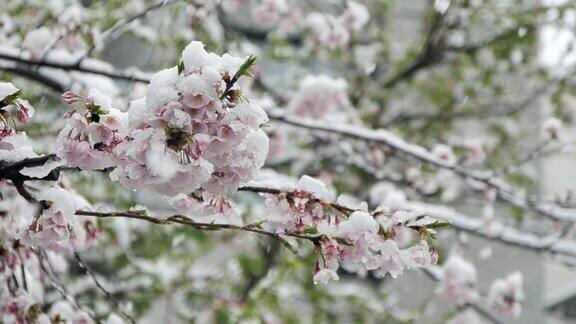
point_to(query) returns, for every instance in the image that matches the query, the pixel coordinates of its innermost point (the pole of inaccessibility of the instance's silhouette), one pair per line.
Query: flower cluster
(324, 30)
(334, 32)
(346, 233)
(91, 133)
(207, 208)
(11, 105)
(269, 12)
(319, 96)
(192, 131)
(56, 226)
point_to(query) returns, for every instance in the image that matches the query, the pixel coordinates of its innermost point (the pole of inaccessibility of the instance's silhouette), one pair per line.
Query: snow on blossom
(319, 96)
(389, 260)
(352, 238)
(90, 134)
(355, 17)
(359, 225)
(56, 227)
(420, 255)
(326, 31)
(7, 89)
(315, 187)
(506, 295)
(475, 151)
(15, 146)
(185, 137)
(324, 275)
(458, 284)
(386, 194)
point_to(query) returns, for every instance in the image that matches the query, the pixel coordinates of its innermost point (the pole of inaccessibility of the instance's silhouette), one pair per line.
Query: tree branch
(381, 136)
(83, 67)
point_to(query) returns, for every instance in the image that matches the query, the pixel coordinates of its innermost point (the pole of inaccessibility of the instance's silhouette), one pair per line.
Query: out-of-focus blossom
(319, 96)
(552, 128)
(458, 284)
(507, 295)
(326, 31)
(56, 227)
(355, 17)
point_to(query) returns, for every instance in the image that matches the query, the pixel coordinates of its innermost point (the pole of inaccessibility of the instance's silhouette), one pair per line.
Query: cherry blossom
(326, 31)
(355, 17)
(355, 237)
(56, 227)
(268, 13)
(90, 135)
(458, 284)
(203, 137)
(507, 295)
(318, 96)
(11, 104)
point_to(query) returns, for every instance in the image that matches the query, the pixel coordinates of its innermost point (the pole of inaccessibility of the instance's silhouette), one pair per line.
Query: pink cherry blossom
(458, 284)
(319, 96)
(355, 17)
(507, 295)
(326, 31)
(89, 136)
(56, 227)
(183, 137)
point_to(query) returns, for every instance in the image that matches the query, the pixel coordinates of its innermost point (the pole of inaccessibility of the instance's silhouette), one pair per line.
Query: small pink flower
(70, 97)
(458, 284)
(506, 295)
(24, 111)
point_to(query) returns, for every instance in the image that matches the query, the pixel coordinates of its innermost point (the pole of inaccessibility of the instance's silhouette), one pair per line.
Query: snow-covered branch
(505, 191)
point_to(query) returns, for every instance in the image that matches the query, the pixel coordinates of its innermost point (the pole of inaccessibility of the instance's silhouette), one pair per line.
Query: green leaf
(342, 241)
(8, 100)
(310, 230)
(96, 109)
(244, 69)
(180, 66)
(439, 224)
(289, 246)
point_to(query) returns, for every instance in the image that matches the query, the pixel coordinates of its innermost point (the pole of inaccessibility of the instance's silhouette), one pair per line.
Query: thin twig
(111, 298)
